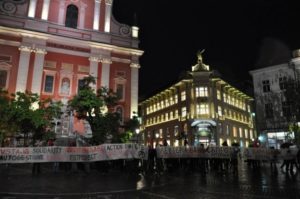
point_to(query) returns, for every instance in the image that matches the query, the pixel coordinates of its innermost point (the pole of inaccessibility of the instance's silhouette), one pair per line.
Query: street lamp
(156, 136)
(137, 131)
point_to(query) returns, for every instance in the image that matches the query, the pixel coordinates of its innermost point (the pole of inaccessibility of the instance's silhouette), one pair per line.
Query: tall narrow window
(266, 86)
(49, 80)
(3, 78)
(72, 16)
(282, 83)
(120, 91)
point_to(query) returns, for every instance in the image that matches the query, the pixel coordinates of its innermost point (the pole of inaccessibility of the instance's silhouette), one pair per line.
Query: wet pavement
(16, 181)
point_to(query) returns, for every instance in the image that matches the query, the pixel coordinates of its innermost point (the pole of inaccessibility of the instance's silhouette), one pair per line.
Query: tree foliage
(92, 106)
(25, 113)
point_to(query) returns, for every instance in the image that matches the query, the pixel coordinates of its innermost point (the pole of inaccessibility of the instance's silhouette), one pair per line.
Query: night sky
(238, 37)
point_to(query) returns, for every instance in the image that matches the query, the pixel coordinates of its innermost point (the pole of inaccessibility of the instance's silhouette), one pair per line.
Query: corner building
(201, 108)
(49, 46)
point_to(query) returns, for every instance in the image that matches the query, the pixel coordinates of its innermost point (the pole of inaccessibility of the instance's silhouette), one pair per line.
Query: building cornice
(70, 41)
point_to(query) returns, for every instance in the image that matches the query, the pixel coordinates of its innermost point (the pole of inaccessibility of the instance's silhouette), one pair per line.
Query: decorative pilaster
(134, 87)
(108, 5)
(105, 72)
(61, 12)
(32, 8)
(23, 68)
(96, 15)
(45, 11)
(82, 15)
(38, 70)
(94, 60)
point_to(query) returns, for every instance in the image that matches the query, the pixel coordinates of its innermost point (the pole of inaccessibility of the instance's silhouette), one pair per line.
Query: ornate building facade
(272, 107)
(201, 108)
(49, 46)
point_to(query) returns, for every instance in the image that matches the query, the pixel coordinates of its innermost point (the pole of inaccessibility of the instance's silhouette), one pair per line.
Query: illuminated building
(49, 46)
(272, 107)
(200, 108)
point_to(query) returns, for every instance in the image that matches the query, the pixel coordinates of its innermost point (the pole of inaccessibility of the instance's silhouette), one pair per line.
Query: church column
(134, 86)
(32, 8)
(38, 70)
(61, 12)
(94, 60)
(45, 11)
(108, 5)
(23, 68)
(96, 15)
(105, 72)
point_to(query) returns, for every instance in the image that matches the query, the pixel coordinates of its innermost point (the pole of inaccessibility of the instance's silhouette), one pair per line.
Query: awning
(203, 123)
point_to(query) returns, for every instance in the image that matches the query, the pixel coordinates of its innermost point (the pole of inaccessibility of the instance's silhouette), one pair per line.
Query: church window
(72, 16)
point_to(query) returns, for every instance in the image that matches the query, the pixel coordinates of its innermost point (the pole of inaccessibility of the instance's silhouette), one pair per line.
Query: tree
(91, 106)
(25, 113)
(130, 127)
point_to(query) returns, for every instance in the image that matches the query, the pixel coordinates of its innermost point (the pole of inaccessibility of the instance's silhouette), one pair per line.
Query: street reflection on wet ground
(18, 182)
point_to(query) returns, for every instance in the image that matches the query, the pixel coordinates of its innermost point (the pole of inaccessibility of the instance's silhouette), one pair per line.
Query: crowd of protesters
(156, 165)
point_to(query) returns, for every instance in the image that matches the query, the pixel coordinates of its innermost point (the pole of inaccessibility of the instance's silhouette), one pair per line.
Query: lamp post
(156, 136)
(137, 131)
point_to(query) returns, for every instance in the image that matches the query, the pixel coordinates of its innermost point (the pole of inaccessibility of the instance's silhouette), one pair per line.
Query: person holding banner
(36, 166)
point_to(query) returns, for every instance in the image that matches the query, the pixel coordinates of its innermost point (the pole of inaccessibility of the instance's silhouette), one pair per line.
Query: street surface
(17, 181)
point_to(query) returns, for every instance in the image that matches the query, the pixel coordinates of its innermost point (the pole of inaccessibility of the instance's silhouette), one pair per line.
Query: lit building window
(203, 109)
(171, 100)
(251, 134)
(225, 97)
(167, 102)
(160, 133)
(234, 130)
(176, 113)
(246, 133)
(72, 16)
(218, 94)
(220, 111)
(201, 92)
(171, 115)
(241, 132)
(176, 131)
(176, 99)
(162, 104)
(167, 116)
(249, 110)
(183, 111)
(183, 95)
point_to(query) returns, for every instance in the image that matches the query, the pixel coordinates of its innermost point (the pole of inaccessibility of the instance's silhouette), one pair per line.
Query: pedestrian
(36, 166)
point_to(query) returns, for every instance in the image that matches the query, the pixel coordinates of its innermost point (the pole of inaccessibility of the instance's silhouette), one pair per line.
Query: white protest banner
(72, 154)
(194, 152)
(180, 152)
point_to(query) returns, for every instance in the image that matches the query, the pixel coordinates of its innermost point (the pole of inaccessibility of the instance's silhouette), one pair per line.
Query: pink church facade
(49, 46)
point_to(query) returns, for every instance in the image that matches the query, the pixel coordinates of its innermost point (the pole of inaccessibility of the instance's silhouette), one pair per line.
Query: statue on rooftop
(200, 66)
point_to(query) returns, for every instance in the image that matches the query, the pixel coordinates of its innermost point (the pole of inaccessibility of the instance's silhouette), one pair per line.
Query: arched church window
(72, 16)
